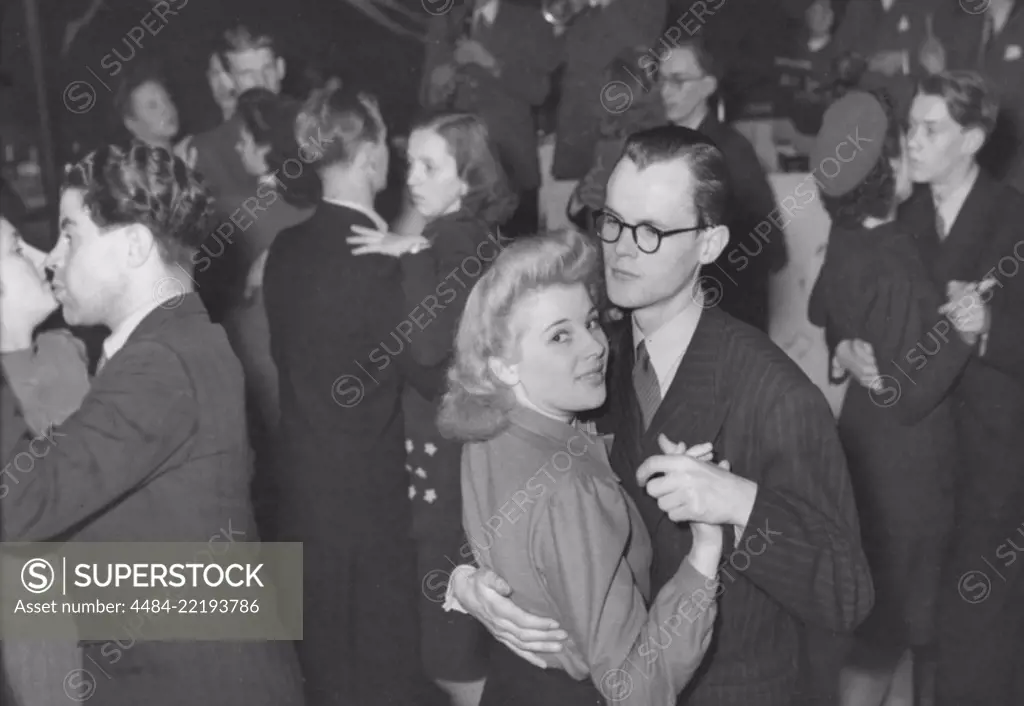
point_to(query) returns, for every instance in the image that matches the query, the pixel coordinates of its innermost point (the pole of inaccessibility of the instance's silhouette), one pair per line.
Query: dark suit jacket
(799, 560)
(342, 360)
(985, 241)
(757, 244)
(527, 52)
(158, 451)
(592, 41)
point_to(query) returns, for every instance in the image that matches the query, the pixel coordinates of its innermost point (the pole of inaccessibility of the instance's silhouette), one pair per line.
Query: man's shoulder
(177, 336)
(758, 369)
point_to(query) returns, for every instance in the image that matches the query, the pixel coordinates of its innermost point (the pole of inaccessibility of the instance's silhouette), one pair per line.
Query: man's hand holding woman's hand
(484, 595)
(857, 357)
(706, 550)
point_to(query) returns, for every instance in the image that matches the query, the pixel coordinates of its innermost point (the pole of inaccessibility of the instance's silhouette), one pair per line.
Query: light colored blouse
(543, 509)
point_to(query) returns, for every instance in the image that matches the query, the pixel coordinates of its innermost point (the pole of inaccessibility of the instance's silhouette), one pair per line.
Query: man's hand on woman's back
(484, 595)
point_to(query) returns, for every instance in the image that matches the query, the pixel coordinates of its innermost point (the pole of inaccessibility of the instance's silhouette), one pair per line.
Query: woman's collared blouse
(543, 509)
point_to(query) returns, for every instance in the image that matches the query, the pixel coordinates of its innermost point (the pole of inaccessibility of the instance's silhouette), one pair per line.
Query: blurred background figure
(634, 110)
(592, 42)
(688, 82)
(989, 37)
(266, 141)
(495, 58)
(887, 35)
(806, 75)
(144, 108)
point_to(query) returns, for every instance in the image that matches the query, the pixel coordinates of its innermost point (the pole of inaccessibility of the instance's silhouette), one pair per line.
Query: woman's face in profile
(24, 292)
(254, 157)
(435, 187)
(562, 352)
(901, 172)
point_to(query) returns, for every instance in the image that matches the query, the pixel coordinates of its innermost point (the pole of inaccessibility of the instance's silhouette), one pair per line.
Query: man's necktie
(645, 382)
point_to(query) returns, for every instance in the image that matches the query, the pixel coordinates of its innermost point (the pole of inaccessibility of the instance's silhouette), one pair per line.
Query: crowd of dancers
(531, 467)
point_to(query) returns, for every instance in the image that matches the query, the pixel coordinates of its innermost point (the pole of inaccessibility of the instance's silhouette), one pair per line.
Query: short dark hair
(490, 197)
(968, 96)
(706, 162)
(146, 186)
(133, 79)
(706, 59)
(875, 196)
(341, 119)
(270, 119)
(241, 38)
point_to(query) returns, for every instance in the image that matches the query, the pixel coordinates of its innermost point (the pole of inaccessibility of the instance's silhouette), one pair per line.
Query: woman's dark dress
(437, 282)
(899, 439)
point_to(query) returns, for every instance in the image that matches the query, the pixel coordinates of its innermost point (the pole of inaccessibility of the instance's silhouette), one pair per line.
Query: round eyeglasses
(648, 239)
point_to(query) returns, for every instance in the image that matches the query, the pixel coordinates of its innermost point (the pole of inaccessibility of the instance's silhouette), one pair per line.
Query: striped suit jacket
(799, 561)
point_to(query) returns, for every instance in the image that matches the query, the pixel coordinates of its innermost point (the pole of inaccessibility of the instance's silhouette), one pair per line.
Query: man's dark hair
(875, 196)
(270, 118)
(241, 38)
(146, 186)
(133, 79)
(706, 60)
(706, 162)
(968, 96)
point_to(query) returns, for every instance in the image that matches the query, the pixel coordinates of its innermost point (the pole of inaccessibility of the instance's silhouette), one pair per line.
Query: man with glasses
(689, 83)
(691, 373)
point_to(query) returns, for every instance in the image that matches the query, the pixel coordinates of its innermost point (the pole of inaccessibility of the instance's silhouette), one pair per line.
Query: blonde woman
(530, 356)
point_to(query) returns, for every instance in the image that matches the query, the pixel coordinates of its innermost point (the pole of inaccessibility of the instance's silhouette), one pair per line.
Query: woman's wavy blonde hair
(477, 404)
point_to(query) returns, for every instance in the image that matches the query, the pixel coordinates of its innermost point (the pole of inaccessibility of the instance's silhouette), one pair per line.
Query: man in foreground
(158, 451)
(690, 372)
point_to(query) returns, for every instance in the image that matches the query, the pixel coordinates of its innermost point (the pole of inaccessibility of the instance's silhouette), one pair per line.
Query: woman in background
(458, 188)
(267, 139)
(901, 452)
(530, 357)
(44, 381)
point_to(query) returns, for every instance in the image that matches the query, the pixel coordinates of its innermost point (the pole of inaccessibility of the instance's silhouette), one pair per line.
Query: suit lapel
(959, 254)
(694, 409)
(690, 412)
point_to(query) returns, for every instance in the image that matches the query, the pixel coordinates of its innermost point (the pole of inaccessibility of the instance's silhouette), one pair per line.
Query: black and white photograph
(512, 353)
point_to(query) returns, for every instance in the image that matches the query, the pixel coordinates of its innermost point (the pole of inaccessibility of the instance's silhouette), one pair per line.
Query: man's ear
(712, 85)
(974, 140)
(141, 244)
(712, 243)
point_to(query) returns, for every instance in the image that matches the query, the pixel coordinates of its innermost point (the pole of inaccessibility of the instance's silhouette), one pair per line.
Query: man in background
(689, 79)
(342, 487)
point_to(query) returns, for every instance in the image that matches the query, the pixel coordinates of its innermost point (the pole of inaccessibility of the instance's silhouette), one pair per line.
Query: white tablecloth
(806, 231)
